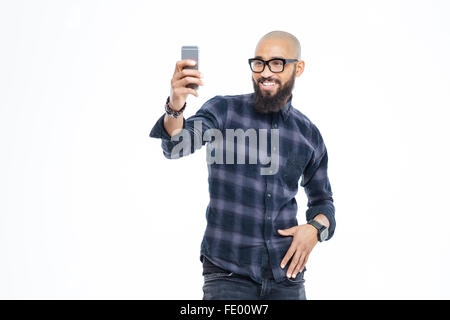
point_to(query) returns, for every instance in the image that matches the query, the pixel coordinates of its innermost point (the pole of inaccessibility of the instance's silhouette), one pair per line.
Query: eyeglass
(275, 65)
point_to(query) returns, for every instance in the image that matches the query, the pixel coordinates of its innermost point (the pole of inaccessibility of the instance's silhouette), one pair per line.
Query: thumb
(287, 232)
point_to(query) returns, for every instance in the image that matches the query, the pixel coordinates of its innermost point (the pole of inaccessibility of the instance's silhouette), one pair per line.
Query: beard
(265, 103)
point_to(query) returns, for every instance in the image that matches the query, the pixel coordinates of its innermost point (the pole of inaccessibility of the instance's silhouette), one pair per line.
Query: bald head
(292, 43)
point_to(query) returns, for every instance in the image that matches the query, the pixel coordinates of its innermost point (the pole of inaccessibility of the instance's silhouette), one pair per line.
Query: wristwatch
(322, 230)
(172, 112)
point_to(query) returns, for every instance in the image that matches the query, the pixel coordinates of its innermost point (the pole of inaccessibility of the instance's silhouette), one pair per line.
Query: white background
(89, 206)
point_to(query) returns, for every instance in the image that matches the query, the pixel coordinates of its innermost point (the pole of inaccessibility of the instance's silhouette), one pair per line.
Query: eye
(277, 62)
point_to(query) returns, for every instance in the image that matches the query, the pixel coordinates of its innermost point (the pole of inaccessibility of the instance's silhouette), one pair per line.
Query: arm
(320, 208)
(179, 91)
(170, 129)
(318, 190)
(173, 125)
(188, 135)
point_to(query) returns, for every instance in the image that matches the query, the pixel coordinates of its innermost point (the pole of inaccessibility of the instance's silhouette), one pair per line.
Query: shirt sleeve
(317, 186)
(210, 116)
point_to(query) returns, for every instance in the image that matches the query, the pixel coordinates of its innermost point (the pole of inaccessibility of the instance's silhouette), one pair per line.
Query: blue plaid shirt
(246, 208)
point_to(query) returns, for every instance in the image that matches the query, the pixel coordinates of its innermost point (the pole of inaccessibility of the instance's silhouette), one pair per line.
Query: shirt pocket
(293, 170)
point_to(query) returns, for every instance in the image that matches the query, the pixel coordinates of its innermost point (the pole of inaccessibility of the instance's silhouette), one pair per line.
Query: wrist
(173, 107)
(322, 231)
(322, 219)
(171, 111)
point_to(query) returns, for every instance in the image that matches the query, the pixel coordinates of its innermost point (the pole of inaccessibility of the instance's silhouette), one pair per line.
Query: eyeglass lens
(274, 65)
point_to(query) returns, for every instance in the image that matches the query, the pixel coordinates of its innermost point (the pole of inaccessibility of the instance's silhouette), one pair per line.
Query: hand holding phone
(190, 52)
(186, 78)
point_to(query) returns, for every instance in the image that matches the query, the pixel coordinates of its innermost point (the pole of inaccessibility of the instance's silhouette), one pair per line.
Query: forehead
(269, 48)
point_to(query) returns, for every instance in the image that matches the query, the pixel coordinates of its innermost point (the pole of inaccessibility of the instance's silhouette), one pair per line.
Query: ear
(300, 67)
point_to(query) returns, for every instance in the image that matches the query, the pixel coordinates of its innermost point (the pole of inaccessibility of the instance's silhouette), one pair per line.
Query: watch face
(324, 234)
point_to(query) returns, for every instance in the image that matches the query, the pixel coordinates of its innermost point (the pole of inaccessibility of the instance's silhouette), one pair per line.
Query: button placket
(269, 196)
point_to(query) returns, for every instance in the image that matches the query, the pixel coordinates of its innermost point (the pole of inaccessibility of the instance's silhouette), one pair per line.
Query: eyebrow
(259, 57)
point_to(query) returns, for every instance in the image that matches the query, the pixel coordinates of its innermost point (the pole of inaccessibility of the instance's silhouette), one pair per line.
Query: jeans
(232, 286)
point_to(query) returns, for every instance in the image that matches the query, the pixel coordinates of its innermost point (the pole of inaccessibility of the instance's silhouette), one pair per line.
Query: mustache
(261, 80)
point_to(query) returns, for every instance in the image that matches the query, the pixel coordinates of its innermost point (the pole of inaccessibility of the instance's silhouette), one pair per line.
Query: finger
(184, 63)
(192, 91)
(187, 80)
(187, 72)
(287, 232)
(293, 264)
(300, 265)
(304, 262)
(288, 256)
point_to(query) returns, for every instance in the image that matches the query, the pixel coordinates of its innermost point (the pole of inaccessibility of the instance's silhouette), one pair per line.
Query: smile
(267, 85)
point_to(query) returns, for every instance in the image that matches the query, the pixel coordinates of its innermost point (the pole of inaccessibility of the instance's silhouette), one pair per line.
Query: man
(253, 247)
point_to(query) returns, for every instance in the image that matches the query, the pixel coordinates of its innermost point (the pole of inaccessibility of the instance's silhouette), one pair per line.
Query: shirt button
(269, 195)
(269, 217)
(275, 125)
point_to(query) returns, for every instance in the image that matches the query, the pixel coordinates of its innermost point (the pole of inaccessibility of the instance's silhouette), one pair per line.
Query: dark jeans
(224, 285)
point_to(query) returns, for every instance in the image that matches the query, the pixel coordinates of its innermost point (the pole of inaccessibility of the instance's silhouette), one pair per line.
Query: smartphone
(190, 52)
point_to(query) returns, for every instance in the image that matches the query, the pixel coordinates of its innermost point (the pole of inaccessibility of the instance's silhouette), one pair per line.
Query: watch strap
(316, 224)
(320, 228)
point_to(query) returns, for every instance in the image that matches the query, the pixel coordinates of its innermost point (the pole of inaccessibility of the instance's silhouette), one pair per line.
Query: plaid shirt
(246, 208)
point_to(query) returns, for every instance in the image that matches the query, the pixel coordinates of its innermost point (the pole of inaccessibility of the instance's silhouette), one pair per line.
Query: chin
(270, 93)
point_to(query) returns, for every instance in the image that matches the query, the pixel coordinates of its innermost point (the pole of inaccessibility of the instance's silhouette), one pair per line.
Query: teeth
(268, 83)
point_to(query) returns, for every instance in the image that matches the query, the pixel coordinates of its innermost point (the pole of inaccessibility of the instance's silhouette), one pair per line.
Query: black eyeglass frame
(267, 63)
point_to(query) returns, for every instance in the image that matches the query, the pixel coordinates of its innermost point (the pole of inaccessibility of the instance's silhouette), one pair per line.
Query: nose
(266, 73)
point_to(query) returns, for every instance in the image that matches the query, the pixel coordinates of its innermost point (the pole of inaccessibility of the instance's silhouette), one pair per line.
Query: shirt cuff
(158, 130)
(328, 211)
